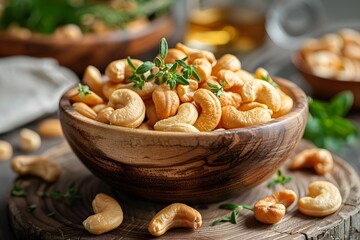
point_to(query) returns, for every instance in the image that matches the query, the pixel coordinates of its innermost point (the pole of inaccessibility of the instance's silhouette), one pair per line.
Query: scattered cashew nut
(187, 113)
(272, 209)
(50, 128)
(129, 108)
(324, 199)
(6, 151)
(38, 166)
(108, 215)
(176, 215)
(319, 159)
(29, 141)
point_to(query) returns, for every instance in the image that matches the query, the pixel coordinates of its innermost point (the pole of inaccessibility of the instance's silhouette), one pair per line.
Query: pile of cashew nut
(246, 99)
(334, 55)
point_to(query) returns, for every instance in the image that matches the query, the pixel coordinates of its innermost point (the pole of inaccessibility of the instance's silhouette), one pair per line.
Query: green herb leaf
(32, 207)
(268, 79)
(217, 90)
(131, 64)
(143, 68)
(69, 196)
(83, 90)
(326, 125)
(17, 190)
(279, 179)
(234, 213)
(163, 48)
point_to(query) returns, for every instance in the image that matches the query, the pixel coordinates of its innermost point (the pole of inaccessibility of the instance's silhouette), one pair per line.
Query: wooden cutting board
(53, 219)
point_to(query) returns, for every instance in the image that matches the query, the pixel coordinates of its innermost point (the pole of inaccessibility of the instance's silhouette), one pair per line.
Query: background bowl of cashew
(330, 63)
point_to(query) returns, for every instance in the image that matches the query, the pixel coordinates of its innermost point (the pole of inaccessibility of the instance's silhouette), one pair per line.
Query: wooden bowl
(185, 167)
(325, 88)
(93, 49)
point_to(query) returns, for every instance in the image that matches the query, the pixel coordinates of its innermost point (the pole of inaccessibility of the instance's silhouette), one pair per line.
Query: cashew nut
(286, 105)
(38, 166)
(109, 87)
(324, 199)
(84, 110)
(186, 92)
(244, 75)
(210, 110)
(230, 99)
(104, 115)
(90, 99)
(233, 118)
(174, 54)
(117, 71)
(166, 101)
(195, 53)
(92, 78)
(29, 140)
(263, 92)
(202, 67)
(151, 112)
(228, 62)
(145, 92)
(181, 127)
(250, 105)
(98, 107)
(129, 108)
(272, 209)
(319, 159)
(6, 150)
(176, 215)
(145, 126)
(187, 113)
(229, 77)
(108, 215)
(50, 128)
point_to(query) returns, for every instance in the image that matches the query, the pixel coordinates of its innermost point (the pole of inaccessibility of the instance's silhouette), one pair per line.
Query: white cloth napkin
(30, 88)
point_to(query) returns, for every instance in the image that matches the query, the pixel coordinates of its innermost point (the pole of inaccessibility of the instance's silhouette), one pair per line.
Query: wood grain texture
(93, 49)
(187, 167)
(66, 223)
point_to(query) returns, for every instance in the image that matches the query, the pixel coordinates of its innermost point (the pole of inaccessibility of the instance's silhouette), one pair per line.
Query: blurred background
(45, 47)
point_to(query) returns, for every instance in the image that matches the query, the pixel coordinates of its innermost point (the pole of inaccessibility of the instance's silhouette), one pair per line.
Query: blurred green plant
(44, 16)
(327, 126)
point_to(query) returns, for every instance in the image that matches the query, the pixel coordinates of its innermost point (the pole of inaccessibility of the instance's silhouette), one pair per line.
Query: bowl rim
(298, 96)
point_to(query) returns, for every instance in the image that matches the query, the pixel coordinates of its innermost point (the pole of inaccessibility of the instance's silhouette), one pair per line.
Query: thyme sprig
(268, 79)
(217, 90)
(69, 196)
(162, 72)
(232, 218)
(17, 190)
(279, 179)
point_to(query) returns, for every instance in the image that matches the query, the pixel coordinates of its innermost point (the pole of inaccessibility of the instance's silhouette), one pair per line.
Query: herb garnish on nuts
(280, 178)
(234, 214)
(163, 73)
(83, 90)
(217, 90)
(17, 190)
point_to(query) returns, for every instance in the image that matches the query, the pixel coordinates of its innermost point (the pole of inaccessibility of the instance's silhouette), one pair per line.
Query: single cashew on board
(6, 150)
(108, 215)
(176, 215)
(318, 159)
(324, 199)
(29, 141)
(272, 209)
(38, 166)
